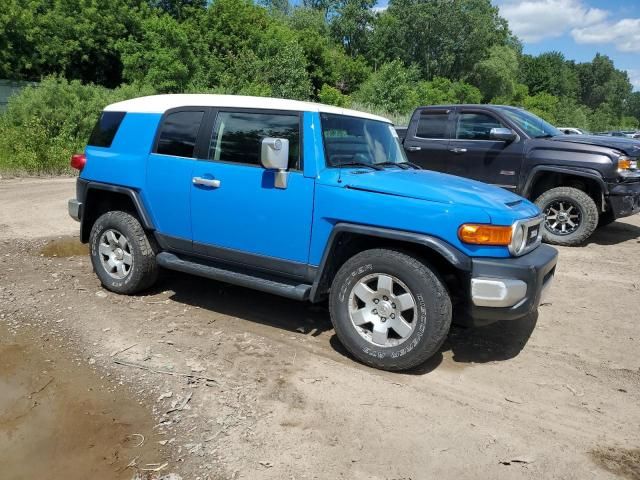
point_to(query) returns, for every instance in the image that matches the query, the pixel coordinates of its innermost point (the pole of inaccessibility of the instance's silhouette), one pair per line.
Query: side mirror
(274, 155)
(503, 134)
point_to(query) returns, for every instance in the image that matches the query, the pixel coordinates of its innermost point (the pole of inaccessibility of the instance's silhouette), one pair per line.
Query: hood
(629, 146)
(442, 188)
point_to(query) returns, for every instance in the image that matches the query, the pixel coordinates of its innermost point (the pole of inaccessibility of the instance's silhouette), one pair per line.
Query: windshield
(532, 125)
(358, 141)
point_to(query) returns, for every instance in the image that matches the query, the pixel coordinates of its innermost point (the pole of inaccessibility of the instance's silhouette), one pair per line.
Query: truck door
(474, 154)
(427, 140)
(237, 212)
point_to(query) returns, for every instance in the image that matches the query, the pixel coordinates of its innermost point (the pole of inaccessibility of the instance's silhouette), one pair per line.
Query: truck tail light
(78, 161)
(479, 234)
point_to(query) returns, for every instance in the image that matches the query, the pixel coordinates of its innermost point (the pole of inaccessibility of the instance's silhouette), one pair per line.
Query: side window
(237, 136)
(475, 126)
(179, 132)
(105, 130)
(433, 124)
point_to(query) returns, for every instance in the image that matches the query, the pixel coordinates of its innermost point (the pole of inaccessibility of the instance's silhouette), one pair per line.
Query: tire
(428, 318)
(583, 215)
(123, 256)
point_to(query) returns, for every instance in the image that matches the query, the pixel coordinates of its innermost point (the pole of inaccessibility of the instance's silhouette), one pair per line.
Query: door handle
(207, 182)
(414, 149)
(458, 150)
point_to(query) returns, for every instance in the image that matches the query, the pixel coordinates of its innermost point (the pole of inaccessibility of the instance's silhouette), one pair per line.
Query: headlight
(625, 163)
(479, 234)
(521, 237)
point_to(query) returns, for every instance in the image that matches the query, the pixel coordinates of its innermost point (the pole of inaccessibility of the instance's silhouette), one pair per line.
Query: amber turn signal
(485, 234)
(625, 163)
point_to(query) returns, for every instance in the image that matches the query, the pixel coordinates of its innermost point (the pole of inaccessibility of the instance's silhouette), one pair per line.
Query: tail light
(78, 161)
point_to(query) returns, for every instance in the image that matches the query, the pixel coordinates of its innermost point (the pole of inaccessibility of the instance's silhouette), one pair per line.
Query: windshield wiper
(359, 164)
(401, 165)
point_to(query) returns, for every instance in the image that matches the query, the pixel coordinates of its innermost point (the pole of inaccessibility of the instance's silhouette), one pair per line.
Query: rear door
(237, 213)
(427, 140)
(168, 189)
(473, 154)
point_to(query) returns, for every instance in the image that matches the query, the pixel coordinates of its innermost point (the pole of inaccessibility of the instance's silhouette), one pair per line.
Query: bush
(332, 96)
(44, 125)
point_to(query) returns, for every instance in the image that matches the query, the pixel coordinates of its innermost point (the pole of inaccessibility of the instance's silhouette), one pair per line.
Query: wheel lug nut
(383, 319)
(374, 311)
(385, 298)
(376, 301)
(392, 315)
(393, 305)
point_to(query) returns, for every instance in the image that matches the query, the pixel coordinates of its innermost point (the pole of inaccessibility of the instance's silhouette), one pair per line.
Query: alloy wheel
(383, 310)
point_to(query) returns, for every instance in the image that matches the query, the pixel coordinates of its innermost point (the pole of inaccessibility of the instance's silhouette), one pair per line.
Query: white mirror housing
(275, 153)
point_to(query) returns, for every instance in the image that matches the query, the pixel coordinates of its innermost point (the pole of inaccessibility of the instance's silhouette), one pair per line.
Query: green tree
(443, 91)
(391, 88)
(549, 72)
(443, 38)
(353, 24)
(497, 75)
(332, 96)
(161, 56)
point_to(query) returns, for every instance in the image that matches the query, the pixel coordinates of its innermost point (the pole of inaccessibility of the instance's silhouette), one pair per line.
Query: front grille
(532, 229)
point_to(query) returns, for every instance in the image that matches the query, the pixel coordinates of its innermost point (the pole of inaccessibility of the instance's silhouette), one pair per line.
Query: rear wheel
(389, 310)
(122, 254)
(571, 216)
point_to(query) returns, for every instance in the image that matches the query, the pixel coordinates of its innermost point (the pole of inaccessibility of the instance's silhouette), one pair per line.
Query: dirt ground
(198, 379)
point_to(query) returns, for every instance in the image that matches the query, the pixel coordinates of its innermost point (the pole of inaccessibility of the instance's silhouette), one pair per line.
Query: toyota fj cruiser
(309, 202)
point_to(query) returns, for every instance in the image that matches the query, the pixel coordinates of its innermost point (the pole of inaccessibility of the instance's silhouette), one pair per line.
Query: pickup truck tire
(390, 310)
(122, 254)
(571, 216)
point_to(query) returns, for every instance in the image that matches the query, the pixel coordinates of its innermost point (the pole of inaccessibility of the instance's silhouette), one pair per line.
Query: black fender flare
(85, 187)
(455, 257)
(578, 172)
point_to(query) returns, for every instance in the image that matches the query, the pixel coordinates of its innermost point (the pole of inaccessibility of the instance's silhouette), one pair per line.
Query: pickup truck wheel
(571, 216)
(122, 254)
(390, 310)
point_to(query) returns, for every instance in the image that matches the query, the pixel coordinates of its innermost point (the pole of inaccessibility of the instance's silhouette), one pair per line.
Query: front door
(473, 154)
(237, 213)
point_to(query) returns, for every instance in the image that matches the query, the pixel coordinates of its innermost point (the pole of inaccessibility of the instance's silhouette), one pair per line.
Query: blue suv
(310, 202)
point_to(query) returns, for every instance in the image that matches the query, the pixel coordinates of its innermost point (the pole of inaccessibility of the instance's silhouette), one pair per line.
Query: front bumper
(624, 198)
(509, 288)
(75, 209)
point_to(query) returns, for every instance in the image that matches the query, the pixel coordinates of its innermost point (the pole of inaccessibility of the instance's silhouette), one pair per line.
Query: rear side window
(106, 128)
(179, 132)
(237, 136)
(433, 125)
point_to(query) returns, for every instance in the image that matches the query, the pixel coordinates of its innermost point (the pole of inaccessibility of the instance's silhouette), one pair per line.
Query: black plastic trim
(586, 173)
(451, 254)
(235, 258)
(535, 269)
(264, 284)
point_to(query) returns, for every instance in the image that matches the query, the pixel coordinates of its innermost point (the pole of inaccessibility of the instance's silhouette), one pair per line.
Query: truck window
(237, 136)
(105, 130)
(476, 126)
(179, 132)
(432, 124)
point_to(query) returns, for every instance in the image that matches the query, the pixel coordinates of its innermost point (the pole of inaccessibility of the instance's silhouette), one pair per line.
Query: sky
(577, 28)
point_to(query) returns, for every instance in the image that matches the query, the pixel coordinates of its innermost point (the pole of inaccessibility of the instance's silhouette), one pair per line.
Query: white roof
(162, 103)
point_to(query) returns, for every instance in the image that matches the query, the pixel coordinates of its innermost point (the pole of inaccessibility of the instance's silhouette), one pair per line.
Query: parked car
(309, 202)
(578, 181)
(573, 131)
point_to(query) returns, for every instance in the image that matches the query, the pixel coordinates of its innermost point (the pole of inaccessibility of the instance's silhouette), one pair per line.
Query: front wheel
(123, 256)
(571, 216)
(389, 309)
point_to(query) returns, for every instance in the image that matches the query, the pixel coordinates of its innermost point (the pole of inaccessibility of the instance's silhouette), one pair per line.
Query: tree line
(342, 52)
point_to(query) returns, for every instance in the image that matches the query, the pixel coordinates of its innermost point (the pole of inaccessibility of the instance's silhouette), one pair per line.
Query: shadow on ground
(615, 233)
(497, 342)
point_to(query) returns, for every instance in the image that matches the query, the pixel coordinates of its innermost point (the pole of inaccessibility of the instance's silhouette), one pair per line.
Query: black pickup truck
(578, 181)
